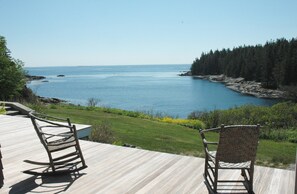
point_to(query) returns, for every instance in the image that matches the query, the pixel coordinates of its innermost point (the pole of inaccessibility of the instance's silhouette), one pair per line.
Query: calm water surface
(153, 88)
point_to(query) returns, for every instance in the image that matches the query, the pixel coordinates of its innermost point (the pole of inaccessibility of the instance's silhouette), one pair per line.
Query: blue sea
(156, 89)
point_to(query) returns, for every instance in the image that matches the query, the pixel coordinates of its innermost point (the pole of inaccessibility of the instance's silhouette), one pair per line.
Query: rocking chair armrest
(211, 129)
(209, 142)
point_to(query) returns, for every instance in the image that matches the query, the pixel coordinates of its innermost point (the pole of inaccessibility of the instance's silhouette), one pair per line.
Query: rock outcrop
(185, 73)
(34, 77)
(245, 87)
(50, 100)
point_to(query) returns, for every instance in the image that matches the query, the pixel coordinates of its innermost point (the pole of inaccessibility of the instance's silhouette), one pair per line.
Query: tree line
(274, 64)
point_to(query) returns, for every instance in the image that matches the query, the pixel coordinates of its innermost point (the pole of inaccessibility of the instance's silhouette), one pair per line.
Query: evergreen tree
(274, 64)
(12, 74)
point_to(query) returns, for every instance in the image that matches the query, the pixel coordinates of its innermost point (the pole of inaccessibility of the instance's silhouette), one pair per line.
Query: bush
(27, 95)
(102, 133)
(278, 122)
(92, 103)
(2, 109)
(37, 107)
(279, 134)
(184, 122)
(290, 92)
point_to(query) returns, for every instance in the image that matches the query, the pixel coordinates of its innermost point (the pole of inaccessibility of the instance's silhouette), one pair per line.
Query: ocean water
(150, 88)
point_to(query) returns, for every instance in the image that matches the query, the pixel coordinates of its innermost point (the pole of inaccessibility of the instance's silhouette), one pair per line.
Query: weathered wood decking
(114, 169)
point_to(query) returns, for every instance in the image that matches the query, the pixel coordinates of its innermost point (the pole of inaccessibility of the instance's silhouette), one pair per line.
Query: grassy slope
(165, 137)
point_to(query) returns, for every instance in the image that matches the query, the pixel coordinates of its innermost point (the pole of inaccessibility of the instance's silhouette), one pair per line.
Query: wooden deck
(115, 169)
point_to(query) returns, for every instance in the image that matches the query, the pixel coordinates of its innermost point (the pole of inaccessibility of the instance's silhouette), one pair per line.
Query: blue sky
(123, 32)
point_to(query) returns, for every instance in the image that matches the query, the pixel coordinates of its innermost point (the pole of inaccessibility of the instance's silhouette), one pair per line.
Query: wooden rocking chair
(59, 138)
(236, 149)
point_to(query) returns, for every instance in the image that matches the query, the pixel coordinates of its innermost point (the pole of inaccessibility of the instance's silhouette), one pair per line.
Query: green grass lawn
(165, 137)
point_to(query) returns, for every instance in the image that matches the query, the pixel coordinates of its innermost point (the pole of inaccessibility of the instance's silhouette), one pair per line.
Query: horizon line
(108, 65)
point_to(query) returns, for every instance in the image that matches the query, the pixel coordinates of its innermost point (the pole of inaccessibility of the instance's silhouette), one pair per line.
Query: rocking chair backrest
(238, 143)
(42, 125)
(38, 130)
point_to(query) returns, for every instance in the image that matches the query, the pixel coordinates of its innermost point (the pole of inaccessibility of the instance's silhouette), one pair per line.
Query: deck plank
(115, 169)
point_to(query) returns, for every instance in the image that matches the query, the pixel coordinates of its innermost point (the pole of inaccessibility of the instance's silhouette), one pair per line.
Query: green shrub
(37, 106)
(2, 109)
(53, 106)
(92, 103)
(184, 122)
(102, 133)
(278, 122)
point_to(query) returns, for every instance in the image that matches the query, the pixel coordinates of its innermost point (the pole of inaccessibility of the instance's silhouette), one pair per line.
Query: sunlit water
(149, 88)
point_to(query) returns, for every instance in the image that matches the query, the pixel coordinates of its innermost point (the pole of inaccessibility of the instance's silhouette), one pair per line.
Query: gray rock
(50, 100)
(245, 87)
(187, 73)
(34, 77)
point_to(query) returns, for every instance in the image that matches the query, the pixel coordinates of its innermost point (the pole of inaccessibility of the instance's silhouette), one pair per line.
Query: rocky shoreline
(47, 100)
(42, 99)
(30, 78)
(240, 85)
(34, 77)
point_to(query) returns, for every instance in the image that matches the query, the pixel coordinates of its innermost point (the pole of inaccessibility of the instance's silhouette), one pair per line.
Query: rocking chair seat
(228, 165)
(61, 144)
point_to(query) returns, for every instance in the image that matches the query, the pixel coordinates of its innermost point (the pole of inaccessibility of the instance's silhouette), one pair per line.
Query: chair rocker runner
(236, 149)
(59, 138)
